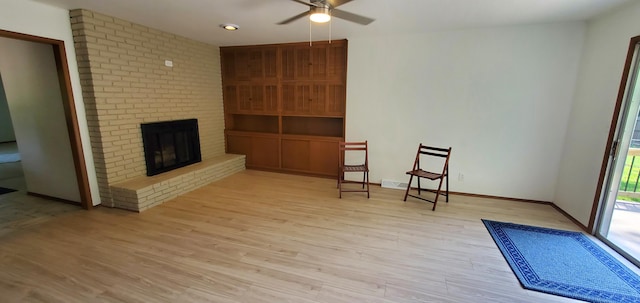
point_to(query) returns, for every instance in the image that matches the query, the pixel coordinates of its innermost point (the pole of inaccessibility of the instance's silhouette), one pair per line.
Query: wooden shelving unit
(285, 104)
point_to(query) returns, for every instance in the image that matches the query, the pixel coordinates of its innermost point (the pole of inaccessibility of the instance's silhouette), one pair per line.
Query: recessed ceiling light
(230, 27)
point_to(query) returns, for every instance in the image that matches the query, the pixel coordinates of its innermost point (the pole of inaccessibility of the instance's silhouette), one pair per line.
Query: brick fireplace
(131, 75)
(169, 145)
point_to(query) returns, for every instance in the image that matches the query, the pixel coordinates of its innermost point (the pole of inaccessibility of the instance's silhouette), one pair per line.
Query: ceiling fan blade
(294, 18)
(351, 17)
(336, 3)
(304, 3)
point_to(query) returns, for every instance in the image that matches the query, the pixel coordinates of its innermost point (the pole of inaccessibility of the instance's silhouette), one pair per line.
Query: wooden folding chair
(428, 151)
(363, 168)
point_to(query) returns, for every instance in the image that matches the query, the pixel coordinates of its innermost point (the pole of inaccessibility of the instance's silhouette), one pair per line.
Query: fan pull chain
(309, 32)
(330, 21)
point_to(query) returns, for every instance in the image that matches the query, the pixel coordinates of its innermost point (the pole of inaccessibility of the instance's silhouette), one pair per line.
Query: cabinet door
(257, 98)
(288, 98)
(271, 98)
(228, 63)
(270, 62)
(318, 62)
(241, 64)
(296, 99)
(261, 152)
(337, 61)
(323, 156)
(318, 99)
(245, 96)
(308, 155)
(288, 63)
(295, 154)
(239, 145)
(303, 99)
(265, 152)
(336, 100)
(311, 62)
(255, 63)
(262, 63)
(304, 62)
(313, 99)
(230, 97)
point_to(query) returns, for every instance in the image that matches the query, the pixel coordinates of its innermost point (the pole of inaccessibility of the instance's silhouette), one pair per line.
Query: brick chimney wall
(125, 83)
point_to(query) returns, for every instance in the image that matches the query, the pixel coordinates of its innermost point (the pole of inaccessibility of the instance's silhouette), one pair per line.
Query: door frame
(605, 166)
(68, 103)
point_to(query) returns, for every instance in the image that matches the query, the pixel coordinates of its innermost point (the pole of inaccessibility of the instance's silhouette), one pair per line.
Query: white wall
(45, 21)
(33, 93)
(500, 97)
(6, 128)
(601, 67)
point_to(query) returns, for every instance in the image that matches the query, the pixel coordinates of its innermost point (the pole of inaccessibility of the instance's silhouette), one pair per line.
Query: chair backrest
(352, 146)
(439, 152)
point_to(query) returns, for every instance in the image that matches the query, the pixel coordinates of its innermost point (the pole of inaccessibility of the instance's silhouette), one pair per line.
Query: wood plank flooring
(268, 237)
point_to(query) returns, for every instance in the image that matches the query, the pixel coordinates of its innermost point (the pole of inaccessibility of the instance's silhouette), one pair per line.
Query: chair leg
(367, 177)
(435, 201)
(340, 176)
(447, 196)
(419, 186)
(406, 193)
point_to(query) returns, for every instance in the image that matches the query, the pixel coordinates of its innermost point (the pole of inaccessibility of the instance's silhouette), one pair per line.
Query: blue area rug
(564, 263)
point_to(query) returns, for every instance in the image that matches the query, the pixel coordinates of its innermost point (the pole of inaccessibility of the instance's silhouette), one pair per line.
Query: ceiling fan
(322, 10)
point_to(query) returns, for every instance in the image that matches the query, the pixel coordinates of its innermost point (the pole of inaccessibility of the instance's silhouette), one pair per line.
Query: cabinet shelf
(312, 126)
(253, 123)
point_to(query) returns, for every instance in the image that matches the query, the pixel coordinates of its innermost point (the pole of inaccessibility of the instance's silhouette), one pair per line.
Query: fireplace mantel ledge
(144, 192)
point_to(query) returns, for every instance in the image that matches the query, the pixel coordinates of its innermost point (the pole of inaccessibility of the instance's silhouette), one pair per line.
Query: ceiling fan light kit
(321, 11)
(320, 14)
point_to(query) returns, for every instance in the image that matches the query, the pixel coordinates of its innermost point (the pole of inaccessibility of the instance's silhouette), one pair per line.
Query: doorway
(68, 114)
(620, 207)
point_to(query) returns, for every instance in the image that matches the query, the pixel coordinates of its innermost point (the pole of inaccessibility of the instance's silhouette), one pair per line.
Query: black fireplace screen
(169, 145)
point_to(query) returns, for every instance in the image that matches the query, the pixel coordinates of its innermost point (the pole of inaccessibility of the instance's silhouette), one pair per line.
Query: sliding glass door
(619, 215)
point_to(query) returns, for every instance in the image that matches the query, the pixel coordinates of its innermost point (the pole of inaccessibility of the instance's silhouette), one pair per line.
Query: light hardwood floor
(268, 237)
(17, 209)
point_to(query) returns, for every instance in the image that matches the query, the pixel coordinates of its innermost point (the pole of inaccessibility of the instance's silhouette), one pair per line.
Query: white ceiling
(200, 19)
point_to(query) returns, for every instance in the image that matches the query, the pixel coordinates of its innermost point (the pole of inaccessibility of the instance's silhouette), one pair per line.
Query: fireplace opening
(170, 144)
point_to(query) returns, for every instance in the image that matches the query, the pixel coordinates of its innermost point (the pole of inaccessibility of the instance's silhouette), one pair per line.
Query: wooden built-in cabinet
(285, 105)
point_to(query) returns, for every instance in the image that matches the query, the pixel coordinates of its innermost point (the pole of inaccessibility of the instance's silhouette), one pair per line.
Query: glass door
(620, 211)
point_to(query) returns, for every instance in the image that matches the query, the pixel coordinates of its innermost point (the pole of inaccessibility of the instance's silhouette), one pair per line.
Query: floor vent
(394, 184)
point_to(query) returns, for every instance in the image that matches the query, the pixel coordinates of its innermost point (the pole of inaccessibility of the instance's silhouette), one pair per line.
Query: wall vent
(393, 184)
